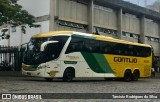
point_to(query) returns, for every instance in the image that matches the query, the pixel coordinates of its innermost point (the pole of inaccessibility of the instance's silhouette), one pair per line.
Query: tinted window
(124, 49)
(90, 45)
(104, 47)
(83, 45)
(75, 45)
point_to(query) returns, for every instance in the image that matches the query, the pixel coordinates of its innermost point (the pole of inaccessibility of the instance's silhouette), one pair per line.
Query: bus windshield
(33, 55)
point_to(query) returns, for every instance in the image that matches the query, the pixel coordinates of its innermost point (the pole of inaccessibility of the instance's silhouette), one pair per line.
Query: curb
(11, 73)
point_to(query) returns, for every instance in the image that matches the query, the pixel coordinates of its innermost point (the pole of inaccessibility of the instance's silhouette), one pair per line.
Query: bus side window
(91, 46)
(146, 52)
(103, 47)
(87, 47)
(106, 50)
(118, 52)
(106, 47)
(75, 45)
(131, 53)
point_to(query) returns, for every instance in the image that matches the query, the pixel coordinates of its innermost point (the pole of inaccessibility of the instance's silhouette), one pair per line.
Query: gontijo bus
(69, 54)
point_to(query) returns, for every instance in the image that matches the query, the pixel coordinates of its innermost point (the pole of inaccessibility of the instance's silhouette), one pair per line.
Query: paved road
(39, 85)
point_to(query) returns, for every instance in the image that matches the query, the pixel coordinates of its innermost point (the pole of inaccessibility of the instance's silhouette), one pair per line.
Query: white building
(38, 8)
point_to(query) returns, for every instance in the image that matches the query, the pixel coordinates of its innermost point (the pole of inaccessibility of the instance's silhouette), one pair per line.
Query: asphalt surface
(27, 85)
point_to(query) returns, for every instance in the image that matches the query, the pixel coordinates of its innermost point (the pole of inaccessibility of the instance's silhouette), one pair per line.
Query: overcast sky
(141, 2)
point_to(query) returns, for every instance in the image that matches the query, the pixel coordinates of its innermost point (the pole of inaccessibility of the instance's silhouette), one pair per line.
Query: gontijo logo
(125, 59)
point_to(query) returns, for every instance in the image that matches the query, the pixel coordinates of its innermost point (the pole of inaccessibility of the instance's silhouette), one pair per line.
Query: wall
(151, 28)
(72, 11)
(105, 17)
(130, 23)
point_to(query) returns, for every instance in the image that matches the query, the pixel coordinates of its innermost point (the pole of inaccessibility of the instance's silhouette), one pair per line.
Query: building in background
(114, 18)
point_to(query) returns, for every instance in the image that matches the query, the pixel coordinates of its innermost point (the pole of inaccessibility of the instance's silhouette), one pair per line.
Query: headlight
(41, 66)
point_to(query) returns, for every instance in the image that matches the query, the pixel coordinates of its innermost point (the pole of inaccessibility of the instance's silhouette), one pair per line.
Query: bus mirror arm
(43, 45)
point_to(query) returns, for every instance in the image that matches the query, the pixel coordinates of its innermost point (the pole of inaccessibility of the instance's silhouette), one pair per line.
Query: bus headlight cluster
(41, 66)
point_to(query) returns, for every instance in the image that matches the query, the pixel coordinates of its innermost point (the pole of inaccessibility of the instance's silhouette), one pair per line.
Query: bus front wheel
(68, 75)
(127, 76)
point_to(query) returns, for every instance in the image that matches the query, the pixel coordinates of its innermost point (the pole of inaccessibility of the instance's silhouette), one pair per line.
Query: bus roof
(51, 33)
(86, 35)
(110, 39)
(105, 38)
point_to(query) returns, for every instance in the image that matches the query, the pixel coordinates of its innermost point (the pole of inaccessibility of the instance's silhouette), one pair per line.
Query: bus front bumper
(37, 73)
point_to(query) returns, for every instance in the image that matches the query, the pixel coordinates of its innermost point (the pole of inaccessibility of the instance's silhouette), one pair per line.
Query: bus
(69, 54)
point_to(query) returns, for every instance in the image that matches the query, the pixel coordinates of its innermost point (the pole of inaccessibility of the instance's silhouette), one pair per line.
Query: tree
(12, 14)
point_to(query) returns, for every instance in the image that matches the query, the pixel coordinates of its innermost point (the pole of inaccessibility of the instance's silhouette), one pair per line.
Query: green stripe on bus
(103, 63)
(92, 62)
(97, 62)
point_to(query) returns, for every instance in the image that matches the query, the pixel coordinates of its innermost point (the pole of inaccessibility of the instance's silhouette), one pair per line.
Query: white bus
(69, 54)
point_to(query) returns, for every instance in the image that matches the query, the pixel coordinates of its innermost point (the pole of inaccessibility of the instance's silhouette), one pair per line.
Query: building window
(156, 39)
(71, 24)
(131, 35)
(124, 34)
(127, 34)
(135, 36)
(107, 31)
(152, 39)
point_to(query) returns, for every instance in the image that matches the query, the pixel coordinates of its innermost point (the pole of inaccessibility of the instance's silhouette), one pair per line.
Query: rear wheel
(68, 75)
(135, 75)
(127, 76)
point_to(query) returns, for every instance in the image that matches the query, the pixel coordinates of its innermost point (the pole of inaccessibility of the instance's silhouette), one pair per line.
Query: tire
(135, 75)
(68, 75)
(127, 76)
(49, 79)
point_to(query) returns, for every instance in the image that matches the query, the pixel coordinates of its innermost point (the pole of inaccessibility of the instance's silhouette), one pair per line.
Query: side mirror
(46, 43)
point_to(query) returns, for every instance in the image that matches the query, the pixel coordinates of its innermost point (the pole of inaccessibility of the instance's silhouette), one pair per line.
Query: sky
(141, 2)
